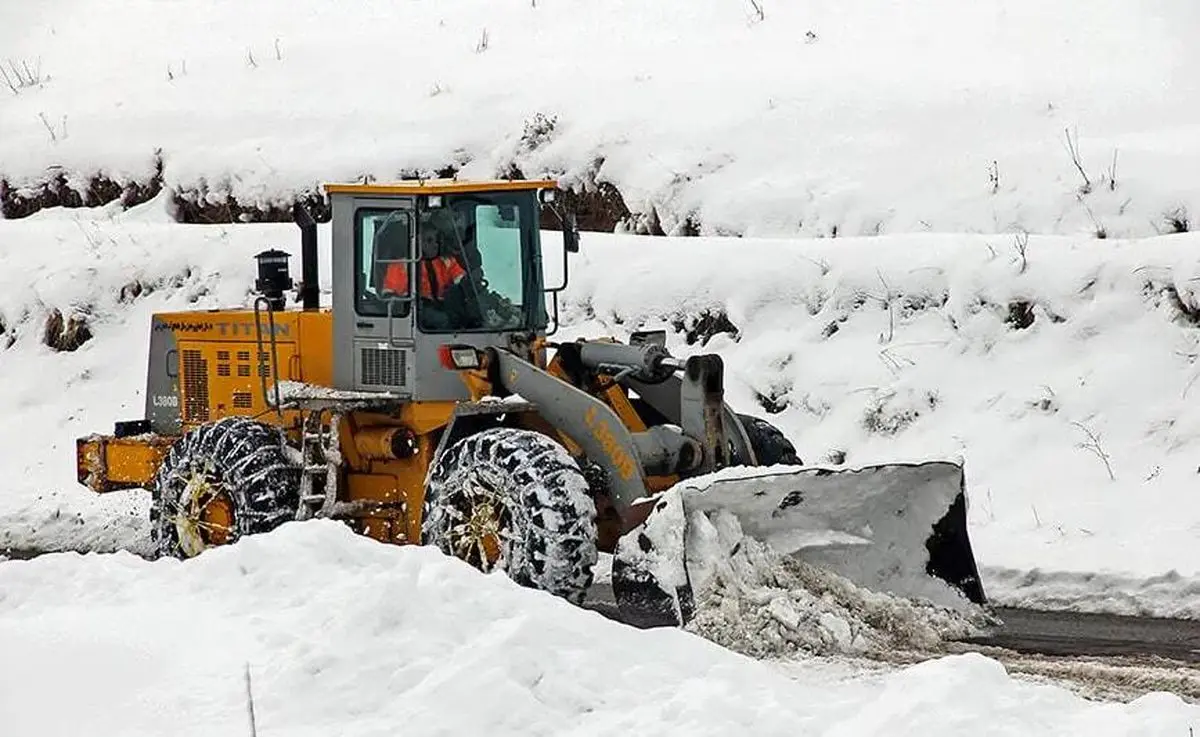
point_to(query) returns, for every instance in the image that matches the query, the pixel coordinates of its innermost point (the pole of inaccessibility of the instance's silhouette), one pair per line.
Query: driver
(436, 276)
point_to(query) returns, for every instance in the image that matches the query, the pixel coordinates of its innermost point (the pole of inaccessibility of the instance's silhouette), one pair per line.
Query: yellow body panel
(223, 346)
(439, 186)
(106, 463)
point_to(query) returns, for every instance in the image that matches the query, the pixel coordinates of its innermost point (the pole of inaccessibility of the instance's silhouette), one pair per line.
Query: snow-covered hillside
(344, 636)
(814, 118)
(877, 348)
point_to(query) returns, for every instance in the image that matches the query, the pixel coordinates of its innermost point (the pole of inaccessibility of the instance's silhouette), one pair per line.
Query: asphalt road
(1054, 633)
(1098, 635)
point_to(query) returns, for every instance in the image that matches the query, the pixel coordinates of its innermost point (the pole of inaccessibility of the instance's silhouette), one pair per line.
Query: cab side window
(382, 253)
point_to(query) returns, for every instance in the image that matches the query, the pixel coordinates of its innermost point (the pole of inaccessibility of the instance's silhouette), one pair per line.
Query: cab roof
(438, 186)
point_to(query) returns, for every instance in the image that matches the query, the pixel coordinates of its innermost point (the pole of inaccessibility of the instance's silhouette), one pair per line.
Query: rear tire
(769, 443)
(514, 500)
(220, 482)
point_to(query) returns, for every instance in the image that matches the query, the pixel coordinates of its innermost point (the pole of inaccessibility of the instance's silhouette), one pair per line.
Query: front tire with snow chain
(220, 482)
(514, 500)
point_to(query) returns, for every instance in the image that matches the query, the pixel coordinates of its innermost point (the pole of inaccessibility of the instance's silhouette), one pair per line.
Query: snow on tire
(514, 500)
(220, 482)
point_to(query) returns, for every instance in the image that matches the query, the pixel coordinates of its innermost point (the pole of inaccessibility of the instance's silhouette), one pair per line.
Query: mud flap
(896, 528)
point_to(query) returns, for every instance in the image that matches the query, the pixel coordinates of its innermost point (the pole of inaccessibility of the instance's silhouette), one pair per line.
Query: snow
(821, 116)
(1049, 526)
(342, 635)
(1059, 368)
(756, 601)
(300, 392)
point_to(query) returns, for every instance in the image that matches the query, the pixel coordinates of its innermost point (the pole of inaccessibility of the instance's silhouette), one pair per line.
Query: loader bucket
(896, 528)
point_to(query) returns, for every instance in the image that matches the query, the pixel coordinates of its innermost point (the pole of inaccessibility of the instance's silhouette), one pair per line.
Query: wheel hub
(480, 526)
(203, 515)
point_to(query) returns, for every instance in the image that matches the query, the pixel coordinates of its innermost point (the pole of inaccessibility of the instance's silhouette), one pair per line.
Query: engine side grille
(384, 367)
(195, 387)
(242, 400)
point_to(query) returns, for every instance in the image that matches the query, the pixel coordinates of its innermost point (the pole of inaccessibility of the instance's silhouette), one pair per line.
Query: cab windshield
(478, 269)
(476, 263)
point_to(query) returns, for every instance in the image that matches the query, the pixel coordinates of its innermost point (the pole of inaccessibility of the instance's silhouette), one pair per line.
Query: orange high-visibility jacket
(447, 271)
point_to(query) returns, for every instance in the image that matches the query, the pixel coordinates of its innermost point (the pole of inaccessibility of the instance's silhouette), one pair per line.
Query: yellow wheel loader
(428, 404)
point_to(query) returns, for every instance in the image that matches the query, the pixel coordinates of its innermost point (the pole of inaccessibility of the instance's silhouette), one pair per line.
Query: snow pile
(815, 118)
(341, 635)
(757, 602)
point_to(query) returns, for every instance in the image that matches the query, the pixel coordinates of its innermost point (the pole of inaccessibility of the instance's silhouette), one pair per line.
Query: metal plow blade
(896, 528)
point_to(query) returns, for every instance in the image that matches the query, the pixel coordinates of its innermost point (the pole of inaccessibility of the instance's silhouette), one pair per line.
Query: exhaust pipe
(310, 291)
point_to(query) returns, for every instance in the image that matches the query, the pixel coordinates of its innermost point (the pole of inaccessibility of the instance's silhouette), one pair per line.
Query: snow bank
(811, 118)
(342, 635)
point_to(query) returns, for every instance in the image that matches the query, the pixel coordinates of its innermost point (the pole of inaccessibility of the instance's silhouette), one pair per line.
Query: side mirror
(570, 233)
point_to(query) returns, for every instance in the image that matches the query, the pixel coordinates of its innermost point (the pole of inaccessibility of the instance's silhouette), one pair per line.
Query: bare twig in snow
(1112, 173)
(250, 58)
(1021, 244)
(49, 128)
(1188, 387)
(278, 52)
(994, 176)
(886, 300)
(822, 264)
(1100, 231)
(894, 361)
(21, 76)
(1073, 150)
(758, 9)
(1093, 446)
(250, 704)
(1036, 519)
(8, 82)
(482, 45)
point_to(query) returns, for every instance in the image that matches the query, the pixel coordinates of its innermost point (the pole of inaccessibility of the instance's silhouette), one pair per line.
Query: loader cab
(424, 264)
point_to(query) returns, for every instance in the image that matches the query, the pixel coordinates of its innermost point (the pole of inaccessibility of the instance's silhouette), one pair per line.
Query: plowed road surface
(1056, 633)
